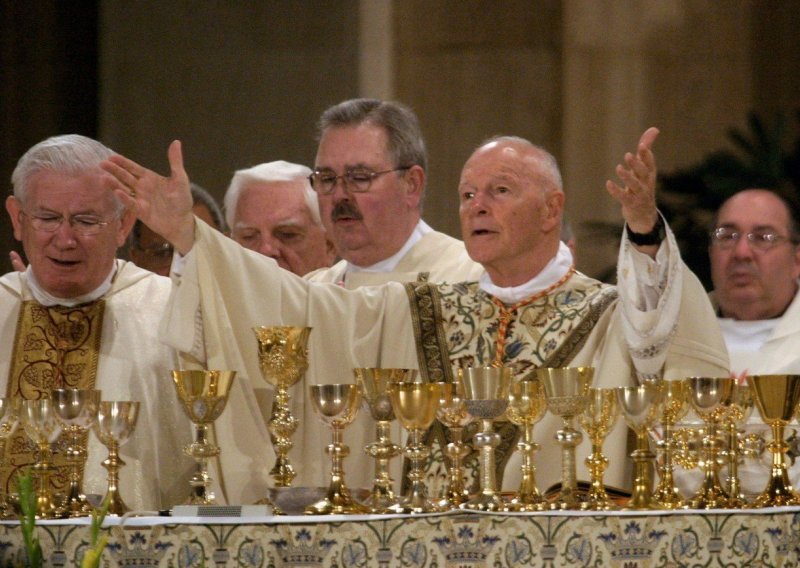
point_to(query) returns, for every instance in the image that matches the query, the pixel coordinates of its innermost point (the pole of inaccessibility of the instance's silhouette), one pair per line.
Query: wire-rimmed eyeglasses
(726, 238)
(356, 180)
(82, 224)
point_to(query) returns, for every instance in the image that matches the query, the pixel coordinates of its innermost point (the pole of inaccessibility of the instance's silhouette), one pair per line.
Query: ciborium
(9, 419)
(674, 408)
(776, 397)
(641, 407)
(452, 413)
(283, 359)
(526, 407)
(566, 391)
(77, 410)
(739, 409)
(375, 391)
(708, 397)
(415, 405)
(597, 420)
(40, 422)
(115, 423)
(203, 395)
(486, 398)
(337, 406)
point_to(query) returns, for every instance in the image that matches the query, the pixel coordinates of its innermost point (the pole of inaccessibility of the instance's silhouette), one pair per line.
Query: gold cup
(597, 420)
(115, 423)
(452, 413)
(375, 390)
(709, 396)
(9, 419)
(777, 398)
(77, 410)
(675, 407)
(739, 410)
(283, 359)
(641, 407)
(526, 407)
(203, 395)
(415, 405)
(337, 406)
(566, 391)
(40, 422)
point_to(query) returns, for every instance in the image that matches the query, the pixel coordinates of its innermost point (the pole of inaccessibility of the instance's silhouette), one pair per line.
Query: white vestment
(234, 289)
(133, 365)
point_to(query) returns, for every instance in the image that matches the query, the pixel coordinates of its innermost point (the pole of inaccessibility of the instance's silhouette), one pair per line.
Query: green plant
(97, 541)
(27, 520)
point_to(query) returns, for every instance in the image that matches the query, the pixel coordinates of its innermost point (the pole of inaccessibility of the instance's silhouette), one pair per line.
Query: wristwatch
(654, 237)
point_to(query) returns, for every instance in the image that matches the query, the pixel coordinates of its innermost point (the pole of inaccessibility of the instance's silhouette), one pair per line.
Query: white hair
(271, 172)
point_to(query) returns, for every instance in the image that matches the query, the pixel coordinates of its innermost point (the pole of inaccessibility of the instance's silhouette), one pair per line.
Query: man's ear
(415, 184)
(127, 220)
(13, 206)
(554, 210)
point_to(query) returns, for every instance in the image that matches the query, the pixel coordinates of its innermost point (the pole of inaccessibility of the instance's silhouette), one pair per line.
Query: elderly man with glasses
(80, 318)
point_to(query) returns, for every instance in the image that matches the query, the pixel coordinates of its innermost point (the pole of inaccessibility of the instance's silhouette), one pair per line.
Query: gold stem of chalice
(737, 413)
(597, 419)
(777, 397)
(77, 410)
(114, 426)
(641, 408)
(486, 398)
(375, 390)
(566, 391)
(9, 419)
(452, 413)
(337, 406)
(415, 406)
(203, 395)
(526, 406)
(41, 424)
(283, 359)
(708, 397)
(675, 407)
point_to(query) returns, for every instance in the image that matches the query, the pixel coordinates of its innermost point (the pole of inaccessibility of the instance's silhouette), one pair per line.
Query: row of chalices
(71, 412)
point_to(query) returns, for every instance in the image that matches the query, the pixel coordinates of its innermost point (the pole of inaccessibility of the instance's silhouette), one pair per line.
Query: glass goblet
(115, 423)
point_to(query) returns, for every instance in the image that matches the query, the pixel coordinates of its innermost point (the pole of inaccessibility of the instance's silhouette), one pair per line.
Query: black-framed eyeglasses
(83, 224)
(356, 180)
(726, 238)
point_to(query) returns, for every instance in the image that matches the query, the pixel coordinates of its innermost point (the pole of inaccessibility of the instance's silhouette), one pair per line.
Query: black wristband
(654, 237)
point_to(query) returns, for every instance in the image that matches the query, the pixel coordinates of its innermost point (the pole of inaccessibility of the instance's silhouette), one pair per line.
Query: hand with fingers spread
(637, 195)
(162, 203)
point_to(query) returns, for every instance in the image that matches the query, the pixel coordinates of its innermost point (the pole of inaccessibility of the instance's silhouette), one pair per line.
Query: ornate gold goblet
(709, 396)
(203, 395)
(77, 410)
(486, 398)
(283, 359)
(566, 391)
(597, 420)
(526, 406)
(777, 397)
(337, 406)
(375, 390)
(41, 424)
(641, 407)
(415, 405)
(9, 419)
(115, 423)
(452, 413)
(675, 407)
(739, 409)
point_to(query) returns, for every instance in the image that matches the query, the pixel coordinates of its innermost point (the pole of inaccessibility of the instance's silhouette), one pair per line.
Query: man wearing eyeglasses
(78, 317)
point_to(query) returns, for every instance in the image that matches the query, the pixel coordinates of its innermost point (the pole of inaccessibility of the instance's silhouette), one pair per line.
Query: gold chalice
(115, 423)
(675, 407)
(415, 405)
(203, 395)
(566, 391)
(283, 359)
(641, 407)
(40, 422)
(486, 398)
(337, 406)
(739, 409)
(452, 413)
(597, 420)
(709, 397)
(375, 390)
(77, 410)
(9, 419)
(526, 406)
(777, 397)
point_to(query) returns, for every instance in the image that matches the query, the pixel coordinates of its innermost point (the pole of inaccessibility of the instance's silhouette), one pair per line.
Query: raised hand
(16, 261)
(637, 195)
(162, 203)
